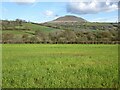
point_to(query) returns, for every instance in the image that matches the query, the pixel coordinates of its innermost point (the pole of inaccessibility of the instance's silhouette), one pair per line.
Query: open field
(60, 65)
(32, 28)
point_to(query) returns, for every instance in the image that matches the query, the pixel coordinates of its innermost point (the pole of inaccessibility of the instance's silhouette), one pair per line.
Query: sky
(31, 10)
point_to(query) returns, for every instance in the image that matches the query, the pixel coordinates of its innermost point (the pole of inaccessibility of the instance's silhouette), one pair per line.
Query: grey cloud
(90, 7)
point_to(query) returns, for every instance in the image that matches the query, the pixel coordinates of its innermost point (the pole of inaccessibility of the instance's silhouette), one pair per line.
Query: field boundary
(83, 42)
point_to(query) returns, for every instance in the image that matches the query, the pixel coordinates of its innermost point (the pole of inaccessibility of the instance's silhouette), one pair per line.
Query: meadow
(59, 66)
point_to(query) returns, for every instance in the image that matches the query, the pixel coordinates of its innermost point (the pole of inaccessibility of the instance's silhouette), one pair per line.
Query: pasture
(59, 66)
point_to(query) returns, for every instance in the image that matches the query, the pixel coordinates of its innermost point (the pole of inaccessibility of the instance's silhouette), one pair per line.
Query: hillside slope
(76, 23)
(71, 32)
(68, 18)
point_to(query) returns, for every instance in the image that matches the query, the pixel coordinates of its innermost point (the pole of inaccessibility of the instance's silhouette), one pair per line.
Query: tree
(25, 38)
(7, 38)
(19, 22)
(41, 36)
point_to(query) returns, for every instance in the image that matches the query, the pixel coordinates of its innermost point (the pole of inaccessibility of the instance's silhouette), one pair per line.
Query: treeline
(64, 37)
(13, 25)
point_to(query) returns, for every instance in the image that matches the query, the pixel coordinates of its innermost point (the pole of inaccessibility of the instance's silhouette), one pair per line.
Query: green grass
(57, 66)
(34, 27)
(16, 32)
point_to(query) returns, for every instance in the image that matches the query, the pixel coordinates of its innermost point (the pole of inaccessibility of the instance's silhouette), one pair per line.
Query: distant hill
(70, 22)
(68, 18)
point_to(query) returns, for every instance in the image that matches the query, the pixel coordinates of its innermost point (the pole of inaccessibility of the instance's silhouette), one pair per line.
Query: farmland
(59, 66)
(19, 31)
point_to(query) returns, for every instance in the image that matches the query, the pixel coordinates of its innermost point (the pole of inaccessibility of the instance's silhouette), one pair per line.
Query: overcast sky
(34, 11)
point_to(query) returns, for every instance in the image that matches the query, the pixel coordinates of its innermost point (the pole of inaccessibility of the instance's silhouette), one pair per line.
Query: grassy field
(32, 27)
(31, 32)
(55, 66)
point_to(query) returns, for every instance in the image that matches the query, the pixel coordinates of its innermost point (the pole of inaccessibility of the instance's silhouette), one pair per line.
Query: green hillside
(29, 29)
(35, 27)
(19, 31)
